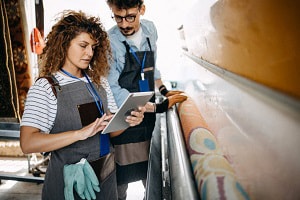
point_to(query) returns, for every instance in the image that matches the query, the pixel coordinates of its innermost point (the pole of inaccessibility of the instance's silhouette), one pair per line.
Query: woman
(67, 108)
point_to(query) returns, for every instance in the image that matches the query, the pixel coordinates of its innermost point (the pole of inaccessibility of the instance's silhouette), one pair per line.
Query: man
(133, 43)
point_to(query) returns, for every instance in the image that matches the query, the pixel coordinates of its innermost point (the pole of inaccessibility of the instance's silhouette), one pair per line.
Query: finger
(68, 191)
(178, 91)
(104, 123)
(79, 181)
(87, 195)
(108, 117)
(98, 122)
(129, 120)
(178, 97)
(99, 125)
(132, 124)
(171, 93)
(137, 114)
(96, 188)
(89, 172)
(80, 194)
(103, 117)
(183, 98)
(142, 109)
(90, 188)
(133, 121)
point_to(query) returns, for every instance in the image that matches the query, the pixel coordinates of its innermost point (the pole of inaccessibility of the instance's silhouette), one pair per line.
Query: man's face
(128, 20)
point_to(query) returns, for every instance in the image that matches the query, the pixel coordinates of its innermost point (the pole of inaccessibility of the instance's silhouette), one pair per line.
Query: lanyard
(141, 64)
(91, 89)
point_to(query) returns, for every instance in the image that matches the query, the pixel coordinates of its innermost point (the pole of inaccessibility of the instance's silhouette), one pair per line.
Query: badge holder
(143, 84)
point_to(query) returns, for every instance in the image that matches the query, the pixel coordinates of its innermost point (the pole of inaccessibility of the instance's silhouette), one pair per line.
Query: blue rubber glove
(91, 181)
(74, 177)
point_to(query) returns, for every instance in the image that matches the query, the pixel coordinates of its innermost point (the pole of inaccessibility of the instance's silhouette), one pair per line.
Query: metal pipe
(181, 176)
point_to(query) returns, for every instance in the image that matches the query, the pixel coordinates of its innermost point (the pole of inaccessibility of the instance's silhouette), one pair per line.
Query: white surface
(135, 191)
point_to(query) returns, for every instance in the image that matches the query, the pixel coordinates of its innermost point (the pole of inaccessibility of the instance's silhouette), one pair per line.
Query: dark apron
(132, 146)
(73, 103)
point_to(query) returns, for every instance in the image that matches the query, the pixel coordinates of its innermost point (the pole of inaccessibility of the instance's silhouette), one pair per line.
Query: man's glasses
(129, 18)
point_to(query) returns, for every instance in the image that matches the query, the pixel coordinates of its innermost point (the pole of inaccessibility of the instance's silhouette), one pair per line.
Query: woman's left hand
(136, 117)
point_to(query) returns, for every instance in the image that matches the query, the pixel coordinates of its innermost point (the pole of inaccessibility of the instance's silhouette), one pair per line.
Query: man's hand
(136, 117)
(165, 92)
(176, 98)
(169, 102)
(173, 92)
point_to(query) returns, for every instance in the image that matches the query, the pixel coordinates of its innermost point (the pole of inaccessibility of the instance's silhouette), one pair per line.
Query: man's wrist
(163, 90)
(154, 107)
(163, 106)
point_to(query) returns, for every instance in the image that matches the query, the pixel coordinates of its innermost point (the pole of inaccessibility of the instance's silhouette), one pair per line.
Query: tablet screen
(133, 101)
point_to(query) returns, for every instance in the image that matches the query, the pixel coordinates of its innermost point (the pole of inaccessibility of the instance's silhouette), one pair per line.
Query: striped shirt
(41, 103)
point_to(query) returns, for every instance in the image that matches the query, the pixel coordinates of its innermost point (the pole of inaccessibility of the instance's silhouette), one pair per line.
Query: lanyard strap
(104, 138)
(93, 92)
(138, 60)
(91, 89)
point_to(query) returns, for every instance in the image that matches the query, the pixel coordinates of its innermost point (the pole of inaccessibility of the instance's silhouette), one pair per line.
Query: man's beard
(127, 29)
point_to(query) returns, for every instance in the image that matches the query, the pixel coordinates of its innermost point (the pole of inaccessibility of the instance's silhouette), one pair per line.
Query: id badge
(144, 85)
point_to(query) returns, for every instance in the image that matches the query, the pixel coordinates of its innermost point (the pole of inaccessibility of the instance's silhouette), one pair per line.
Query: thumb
(89, 172)
(172, 101)
(68, 181)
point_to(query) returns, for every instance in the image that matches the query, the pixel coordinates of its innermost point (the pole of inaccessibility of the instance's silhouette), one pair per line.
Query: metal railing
(172, 178)
(181, 176)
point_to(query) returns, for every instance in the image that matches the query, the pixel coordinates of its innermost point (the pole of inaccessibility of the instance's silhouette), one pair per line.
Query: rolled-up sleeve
(119, 93)
(116, 68)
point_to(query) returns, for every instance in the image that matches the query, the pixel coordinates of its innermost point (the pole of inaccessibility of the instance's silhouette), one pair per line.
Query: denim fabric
(119, 50)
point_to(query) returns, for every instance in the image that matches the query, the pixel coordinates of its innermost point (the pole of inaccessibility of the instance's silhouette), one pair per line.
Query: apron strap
(149, 43)
(128, 51)
(53, 82)
(126, 46)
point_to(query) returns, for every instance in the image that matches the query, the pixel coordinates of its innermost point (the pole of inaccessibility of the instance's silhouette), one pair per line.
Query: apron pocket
(104, 166)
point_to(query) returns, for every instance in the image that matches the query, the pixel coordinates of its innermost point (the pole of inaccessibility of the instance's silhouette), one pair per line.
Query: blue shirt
(119, 50)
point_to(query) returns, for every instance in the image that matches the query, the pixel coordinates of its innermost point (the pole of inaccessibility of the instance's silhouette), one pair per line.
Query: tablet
(133, 101)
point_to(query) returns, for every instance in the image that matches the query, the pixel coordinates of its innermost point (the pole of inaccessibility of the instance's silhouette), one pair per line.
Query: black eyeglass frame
(128, 18)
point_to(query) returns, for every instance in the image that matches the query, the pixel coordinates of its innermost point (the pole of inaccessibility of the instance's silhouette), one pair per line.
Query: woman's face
(80, 53)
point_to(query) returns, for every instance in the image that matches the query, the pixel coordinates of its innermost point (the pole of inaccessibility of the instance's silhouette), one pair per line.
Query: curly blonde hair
(70, 25)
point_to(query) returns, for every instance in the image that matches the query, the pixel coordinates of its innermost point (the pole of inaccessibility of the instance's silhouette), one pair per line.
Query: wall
(258, 40)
